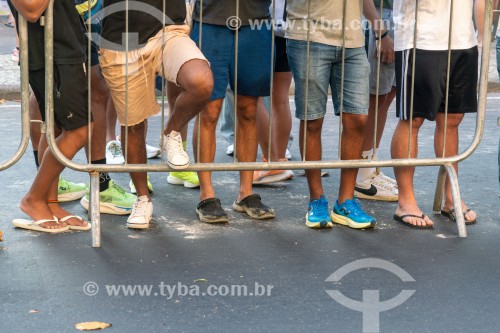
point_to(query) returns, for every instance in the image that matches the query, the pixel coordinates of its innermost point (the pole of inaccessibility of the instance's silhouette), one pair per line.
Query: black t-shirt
(145, 19)
(69, 42)
(221, 12)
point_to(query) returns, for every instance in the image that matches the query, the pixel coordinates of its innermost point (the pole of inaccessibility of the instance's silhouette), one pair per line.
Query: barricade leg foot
(457, 201)
(95, 215)
(438, 196)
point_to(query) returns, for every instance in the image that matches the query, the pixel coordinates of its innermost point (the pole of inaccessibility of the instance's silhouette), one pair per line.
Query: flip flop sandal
(451, 215)
(402, 217)
(75, 227)
(35, 225)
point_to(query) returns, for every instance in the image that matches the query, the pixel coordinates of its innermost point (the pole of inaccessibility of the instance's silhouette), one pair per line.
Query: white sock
(366, 173)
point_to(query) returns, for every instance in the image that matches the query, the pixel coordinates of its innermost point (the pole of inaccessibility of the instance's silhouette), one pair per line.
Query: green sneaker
(133, 190)
(186, 178)
(69, 191)
(114, 200)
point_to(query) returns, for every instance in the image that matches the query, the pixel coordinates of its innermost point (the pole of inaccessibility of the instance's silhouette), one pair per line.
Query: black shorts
(281, 63)
(70, 95)
(430, 82)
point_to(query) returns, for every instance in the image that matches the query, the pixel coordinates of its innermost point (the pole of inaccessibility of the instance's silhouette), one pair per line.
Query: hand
(386, 49)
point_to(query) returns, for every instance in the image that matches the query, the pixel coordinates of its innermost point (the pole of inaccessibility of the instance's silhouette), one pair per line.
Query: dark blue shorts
(254, 58)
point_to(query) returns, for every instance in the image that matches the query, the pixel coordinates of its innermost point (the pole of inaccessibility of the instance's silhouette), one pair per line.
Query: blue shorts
(254, 58)
(325, 69)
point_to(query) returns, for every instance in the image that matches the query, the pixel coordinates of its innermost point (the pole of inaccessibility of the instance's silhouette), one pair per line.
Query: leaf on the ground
(2, 100)
(34, 311)
(201, 280)
(91, 326)
(1, 234)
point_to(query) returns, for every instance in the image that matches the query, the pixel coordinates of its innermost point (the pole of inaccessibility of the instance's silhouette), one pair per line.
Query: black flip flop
(451, 215)
(402, 217)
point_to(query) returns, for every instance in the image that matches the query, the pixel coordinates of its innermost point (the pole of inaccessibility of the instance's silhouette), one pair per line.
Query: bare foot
(414, 220)
(61, 213)
(469, 214)
(39, 210)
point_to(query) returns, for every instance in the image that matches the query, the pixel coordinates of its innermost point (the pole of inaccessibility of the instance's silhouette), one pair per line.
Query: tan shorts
(143, 66)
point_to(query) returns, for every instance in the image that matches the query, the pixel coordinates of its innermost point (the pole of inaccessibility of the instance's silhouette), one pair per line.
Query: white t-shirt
(433, 25)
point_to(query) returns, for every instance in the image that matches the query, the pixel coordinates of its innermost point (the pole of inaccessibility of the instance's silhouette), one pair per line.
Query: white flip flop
(35, 225)
(75, 227)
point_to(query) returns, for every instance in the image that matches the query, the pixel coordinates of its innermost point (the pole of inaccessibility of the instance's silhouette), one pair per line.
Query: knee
(313, 126)
(209, 117)
(416, 123)
(198, 81)
(247, 110)
(355, 124)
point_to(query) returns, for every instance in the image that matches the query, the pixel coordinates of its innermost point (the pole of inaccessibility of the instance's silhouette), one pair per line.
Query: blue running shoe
(317, 214)
(351, 213)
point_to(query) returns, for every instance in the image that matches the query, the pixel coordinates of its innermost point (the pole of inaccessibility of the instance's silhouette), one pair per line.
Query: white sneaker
(141, 213)
(376, 188)
(387, 179)
(288, 155)
(152, 152)
(230, 150)
(177, 158)
(114, 153)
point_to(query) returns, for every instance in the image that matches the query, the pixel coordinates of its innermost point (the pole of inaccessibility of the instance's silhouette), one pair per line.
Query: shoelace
(140, 207)
(387, 179)
(380, 182)
(175, 144)
(353, 207)
(320, 207)
(118, 189)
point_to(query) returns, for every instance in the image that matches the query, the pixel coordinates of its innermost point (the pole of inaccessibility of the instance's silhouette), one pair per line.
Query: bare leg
(99, 103)
(385, 102)
(207, 121)
(136, 154)
(34, 202)
(282, 118)
(404, 175)
(313, 153)
(110, 121)
(452, 139)
(173, 91)
(263, 129)
(353, 129)
(195, 79)
(246, 140)
(35, 130)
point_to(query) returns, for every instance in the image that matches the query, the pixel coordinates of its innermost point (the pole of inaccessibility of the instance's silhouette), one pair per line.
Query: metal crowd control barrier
(25, 93)
(445, 163)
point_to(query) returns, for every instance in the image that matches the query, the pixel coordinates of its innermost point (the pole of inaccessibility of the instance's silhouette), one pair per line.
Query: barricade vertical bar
(125, 139)
(438, 197)
(235, 92)
(342, 77)
(440, 184)
(412, 92)
(377, 87)
(271, 85)
(88, 24)
(308, 58)
(455, 191)
(198, 116)
(94, 209)
(49, 73)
